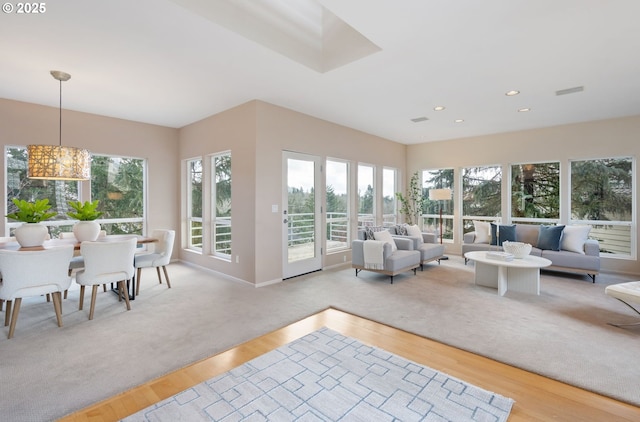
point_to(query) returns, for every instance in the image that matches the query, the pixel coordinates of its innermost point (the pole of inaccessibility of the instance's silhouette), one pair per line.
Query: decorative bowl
(517, 249)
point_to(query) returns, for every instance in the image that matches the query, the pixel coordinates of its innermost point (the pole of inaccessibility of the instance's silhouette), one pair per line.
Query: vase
(31, 234)
(86, 230)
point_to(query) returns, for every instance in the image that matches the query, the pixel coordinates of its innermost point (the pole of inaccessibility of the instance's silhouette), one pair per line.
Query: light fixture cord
(60, 131)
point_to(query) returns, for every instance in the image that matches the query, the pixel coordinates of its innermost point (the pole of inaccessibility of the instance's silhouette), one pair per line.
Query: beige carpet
(47, 372)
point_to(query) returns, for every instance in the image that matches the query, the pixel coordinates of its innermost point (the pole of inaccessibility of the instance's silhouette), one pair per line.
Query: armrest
(404, 243)
(592, 247)
(469, 237)
(429, 238)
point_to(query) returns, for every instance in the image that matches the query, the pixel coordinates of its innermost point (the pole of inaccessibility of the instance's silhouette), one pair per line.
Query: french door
(301, 214)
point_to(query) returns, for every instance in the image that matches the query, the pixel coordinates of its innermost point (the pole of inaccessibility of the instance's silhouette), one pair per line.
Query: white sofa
(561, 260)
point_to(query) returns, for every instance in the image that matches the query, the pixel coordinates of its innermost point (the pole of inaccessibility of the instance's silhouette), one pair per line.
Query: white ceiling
(158, 62)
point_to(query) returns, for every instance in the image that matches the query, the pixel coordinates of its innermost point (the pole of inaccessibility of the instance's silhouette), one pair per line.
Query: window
(337, 197)
(366, 195)
(221, 205)
(119, 184)
(389, 187)
(194, 204)
(438, 179)
(535, 192)
(59, 192)
(481, 195)
(601, 196)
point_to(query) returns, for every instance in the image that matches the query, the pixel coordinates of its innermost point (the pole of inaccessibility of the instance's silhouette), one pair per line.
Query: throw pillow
(385, 236)
(502, 233)
(483, 232)
(414, 231)
(549, 237)
(574, 237)
(401, 229)
(370, 230)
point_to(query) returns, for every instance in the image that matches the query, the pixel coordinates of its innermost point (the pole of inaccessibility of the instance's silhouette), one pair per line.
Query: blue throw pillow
(549, 237)
(503, 232)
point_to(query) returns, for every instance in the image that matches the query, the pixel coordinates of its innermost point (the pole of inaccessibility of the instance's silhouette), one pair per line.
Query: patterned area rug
(325, 376)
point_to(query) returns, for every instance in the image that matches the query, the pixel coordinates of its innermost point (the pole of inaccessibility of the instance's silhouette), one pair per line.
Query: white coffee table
(520, 275)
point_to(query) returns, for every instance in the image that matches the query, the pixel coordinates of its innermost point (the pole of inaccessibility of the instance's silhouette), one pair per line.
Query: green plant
(31, 212)
(411, 204)
(86, 211)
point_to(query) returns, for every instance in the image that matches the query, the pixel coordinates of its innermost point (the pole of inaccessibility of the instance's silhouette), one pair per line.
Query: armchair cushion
(370, 230)
(385, 236)
(414, 231)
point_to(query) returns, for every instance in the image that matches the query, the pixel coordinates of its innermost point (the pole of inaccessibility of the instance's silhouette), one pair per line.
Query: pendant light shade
(55, 162)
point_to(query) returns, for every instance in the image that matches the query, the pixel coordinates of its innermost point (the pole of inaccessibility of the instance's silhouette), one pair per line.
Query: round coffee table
(521, 275)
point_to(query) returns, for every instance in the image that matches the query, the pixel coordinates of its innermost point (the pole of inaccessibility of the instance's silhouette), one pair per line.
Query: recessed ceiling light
(459, 120)
(439, 108)
(524, 110)
(511, 93)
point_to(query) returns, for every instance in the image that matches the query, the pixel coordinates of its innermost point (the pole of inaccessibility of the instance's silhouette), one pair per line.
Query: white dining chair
(78, 261)
(159, 257)
(33, 273)
(106, 262)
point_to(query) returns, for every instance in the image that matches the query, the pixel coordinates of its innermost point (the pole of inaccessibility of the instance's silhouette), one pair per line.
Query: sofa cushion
(401, 229)
(549, 237)
(483, 231)
(414, 231)
(385, 236)
(504, 232)
(370, 230)
(574, 237)
(527, 233)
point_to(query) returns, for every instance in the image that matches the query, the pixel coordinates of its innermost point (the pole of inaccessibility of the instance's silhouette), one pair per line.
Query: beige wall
(598, 139)
(257, 133)
(24, 123)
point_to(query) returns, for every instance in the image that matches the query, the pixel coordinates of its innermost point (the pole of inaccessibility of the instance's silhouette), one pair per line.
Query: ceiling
(174, 62)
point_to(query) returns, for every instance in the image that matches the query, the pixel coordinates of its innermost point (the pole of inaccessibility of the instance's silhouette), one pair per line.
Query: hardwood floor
(536, 398)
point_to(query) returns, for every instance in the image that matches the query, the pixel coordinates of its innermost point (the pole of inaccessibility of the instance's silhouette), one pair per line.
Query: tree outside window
(221, 199)
(481, 195)
(535, 192)
(438, 179)
(194, 201)
(601, 196)
(337, 198)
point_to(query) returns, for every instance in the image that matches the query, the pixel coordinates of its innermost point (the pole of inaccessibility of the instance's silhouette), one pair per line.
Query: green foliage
(86, 211)
(411, 204)
(31, 212)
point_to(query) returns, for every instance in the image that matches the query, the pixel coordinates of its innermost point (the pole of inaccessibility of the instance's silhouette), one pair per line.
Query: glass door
(301, 214)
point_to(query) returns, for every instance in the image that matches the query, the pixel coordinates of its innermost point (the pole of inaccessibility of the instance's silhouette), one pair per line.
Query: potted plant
(411, 204)
(86, 213)
(31, 232)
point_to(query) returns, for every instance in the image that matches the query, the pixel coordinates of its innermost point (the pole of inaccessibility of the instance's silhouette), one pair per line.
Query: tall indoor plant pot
(31, 233)
(86, 213)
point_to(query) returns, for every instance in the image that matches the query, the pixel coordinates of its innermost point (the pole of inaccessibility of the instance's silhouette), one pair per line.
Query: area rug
(327, 376)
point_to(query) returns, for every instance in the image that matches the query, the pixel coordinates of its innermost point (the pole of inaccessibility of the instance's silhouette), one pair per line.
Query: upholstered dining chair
(106, 262)
(159, 257)
(33, 273)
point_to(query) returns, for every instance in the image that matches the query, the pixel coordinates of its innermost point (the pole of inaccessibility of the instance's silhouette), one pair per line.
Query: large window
(438, 179)
(194, 204)
(389, 188)
(366, 195)
(535, 192)
(337, 197)
(58, 192)
(118, 182)
(602, 197)
(481, 195)
(221, 205)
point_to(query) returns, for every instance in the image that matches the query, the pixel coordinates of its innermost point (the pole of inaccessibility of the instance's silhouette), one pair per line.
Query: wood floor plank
(537, 398)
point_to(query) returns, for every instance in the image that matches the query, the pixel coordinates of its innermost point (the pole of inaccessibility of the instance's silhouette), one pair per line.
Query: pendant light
(55, 162)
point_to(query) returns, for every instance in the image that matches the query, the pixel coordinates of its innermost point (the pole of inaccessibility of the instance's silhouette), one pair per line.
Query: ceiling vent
(420, 119)
(570, 90)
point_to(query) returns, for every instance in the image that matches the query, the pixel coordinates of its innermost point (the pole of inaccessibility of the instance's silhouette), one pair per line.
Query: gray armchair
(428, 247)
(405, 258)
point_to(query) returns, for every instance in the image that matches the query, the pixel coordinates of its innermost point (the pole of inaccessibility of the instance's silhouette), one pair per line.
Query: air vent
(570, 90)
(420, 119)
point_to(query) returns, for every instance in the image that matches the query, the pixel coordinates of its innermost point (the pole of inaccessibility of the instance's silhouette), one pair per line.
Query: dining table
(52, 243)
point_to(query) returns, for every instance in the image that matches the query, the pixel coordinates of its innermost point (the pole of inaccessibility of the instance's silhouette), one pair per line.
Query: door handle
(285, 221)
